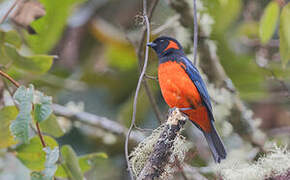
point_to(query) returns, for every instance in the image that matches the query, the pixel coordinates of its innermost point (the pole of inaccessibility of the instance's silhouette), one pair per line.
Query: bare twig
(159, 158)
(40, 135)
(140, 55)
(95, 121)
(9, 78)
(195, 35)
(9, 10)
(138, 85)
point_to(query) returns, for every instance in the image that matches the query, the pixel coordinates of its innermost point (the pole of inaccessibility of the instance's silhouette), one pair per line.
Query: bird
(182, 87)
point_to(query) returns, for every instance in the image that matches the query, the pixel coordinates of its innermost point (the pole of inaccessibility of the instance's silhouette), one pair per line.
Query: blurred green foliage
(7, 114)
(50, 28)
(284, 32)
(269, 21)
(32, 155)
(105, 74)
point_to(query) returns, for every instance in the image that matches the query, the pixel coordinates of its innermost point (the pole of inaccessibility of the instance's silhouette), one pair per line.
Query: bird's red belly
(179, 91)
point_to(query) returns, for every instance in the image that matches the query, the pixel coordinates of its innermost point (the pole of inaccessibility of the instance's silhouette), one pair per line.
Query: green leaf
(284, 32)
(32, 155)
(71, 165)
(224, 13)
(50, 166)
(85, 162)
(20, 127)
(268, 22)
(11, 37)
(42, 108)
(51, 159)
(51, 126)
(7, 114)
(250, 29)
(37, 64)
(49, 28)
(88, 160)
(61, 172)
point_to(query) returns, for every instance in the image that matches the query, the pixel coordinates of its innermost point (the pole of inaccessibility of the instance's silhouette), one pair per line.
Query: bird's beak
(152, 44)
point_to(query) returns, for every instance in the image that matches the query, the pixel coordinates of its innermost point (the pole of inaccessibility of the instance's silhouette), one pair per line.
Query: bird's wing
(194, 75)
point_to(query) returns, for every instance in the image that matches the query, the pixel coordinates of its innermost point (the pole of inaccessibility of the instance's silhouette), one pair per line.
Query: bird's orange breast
(179, 91)
(177, 88)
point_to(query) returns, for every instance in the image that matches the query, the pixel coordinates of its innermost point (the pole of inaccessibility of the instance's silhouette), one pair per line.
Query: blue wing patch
(194, 75)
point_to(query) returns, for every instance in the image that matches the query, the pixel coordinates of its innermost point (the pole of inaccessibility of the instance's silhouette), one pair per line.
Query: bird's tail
(215, 144)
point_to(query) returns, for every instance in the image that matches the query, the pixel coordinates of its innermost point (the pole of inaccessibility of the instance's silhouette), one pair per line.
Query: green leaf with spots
(20, 127)
(42, 106)
(268, 22)
(50, 166)
(32, 154)
(7, 114)
(50, 162)
(284, 32)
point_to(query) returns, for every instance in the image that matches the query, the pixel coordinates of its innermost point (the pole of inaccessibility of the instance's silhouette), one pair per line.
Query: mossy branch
(159, 158)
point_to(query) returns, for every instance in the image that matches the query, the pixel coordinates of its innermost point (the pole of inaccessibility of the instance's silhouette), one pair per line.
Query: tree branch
(9, 10)
(96, 121)
(138, 85)
(159, 158)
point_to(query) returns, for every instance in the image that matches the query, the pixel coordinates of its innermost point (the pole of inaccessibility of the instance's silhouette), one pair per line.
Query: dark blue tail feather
(215, 144)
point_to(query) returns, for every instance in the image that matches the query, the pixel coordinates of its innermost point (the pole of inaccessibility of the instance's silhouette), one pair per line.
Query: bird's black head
(164, 46)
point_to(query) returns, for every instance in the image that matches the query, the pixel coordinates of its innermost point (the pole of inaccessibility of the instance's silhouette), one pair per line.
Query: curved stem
(138, 88)
(40, 135)
(9, 78)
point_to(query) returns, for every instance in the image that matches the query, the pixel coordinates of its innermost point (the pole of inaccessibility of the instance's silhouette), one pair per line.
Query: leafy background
(81, 58)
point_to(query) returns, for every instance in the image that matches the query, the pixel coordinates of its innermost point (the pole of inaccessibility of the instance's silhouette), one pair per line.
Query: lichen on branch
(155, 155)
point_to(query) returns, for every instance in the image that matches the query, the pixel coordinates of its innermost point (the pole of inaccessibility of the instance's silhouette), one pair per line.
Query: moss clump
(141, 153)
(275, 163)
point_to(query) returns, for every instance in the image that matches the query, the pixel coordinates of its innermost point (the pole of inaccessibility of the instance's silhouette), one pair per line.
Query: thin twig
(138, 87)
(9, 11)
(140, 52)
(40, 135)
(9, 78)
(195, 35)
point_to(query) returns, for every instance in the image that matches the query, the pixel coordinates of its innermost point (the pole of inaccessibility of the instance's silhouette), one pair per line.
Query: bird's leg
(151, 77)
(170, 110)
